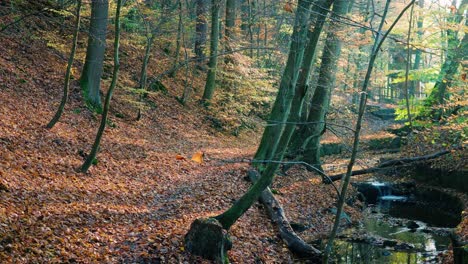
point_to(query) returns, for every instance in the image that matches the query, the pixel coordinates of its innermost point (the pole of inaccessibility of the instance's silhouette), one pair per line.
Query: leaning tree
(208, 237)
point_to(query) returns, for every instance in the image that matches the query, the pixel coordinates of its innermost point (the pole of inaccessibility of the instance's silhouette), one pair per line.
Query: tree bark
(92, 70)
(280, 113)
(210, 84)
(456, 52)
(281, 108)
(321, 10)
(91, 157)
(230, 20)
(178, 40)
(306, 143)
(146, 57)
(201, 29)
(66, 86)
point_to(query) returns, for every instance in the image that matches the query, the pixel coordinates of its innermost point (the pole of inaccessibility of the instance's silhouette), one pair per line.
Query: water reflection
(390, 238)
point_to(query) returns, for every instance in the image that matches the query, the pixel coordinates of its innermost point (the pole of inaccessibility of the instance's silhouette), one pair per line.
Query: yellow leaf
(179, 157)
(198, 157)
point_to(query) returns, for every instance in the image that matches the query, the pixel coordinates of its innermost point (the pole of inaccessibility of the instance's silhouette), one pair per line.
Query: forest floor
(138, 202)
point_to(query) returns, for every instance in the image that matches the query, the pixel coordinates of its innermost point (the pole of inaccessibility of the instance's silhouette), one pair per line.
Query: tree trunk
(407, 69)
(213, 64)
(200, 31)
(66, 86)
(144, 66)
(379, 39)
(92, 70)
(230, 21)
(178, 40)
(280, 113)
(456, 52)
(415, 85)
(91, 157)
(281, 107)
(326, 81)
(319, 11)
(306, 141)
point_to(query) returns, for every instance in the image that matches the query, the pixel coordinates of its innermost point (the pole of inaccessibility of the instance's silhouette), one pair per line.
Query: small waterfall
(382, 188)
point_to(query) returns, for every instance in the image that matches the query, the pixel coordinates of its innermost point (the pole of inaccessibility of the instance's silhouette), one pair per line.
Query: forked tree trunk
(229, 217)
(285, 96)
(320, 101)
(92, 70)
(66, 86)
(320, 11)
(91, 157)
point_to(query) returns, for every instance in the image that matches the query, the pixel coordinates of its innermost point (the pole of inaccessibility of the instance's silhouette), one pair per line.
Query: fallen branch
(295, 244)
(392, 163)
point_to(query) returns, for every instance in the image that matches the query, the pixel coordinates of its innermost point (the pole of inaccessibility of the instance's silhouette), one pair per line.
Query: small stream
(401, 225)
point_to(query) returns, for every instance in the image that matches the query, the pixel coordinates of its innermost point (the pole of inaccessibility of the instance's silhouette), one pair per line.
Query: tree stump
(208, 239)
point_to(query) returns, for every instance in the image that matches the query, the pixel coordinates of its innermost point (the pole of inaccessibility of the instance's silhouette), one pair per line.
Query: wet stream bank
(402, 223)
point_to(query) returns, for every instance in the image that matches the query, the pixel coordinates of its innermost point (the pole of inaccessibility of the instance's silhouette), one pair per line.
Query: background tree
(457, 50)
(66, 86)
(91, 158)
(201, 29)
(92, 70)
(213, 63)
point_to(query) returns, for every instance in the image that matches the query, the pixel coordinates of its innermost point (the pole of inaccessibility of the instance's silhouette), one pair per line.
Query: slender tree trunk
(144, 66)
(201, 29)
(279, 115)
(379, 39)
(408, 65)
(250, 25)
(92, 156)
(415, 85)
(245, 16)
(66, 86)
(210, 84)
(92, 70)
(178, 40)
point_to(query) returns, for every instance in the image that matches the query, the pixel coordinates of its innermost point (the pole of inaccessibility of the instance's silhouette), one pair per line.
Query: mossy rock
(327, 149)
(208, 239)
(384, 143)
(158, 86)
(380, 112)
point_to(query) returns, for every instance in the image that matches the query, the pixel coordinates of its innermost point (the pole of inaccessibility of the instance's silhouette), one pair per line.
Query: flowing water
(396, 229)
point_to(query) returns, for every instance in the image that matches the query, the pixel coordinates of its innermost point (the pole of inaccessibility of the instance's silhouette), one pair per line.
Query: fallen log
(295, 244)
(391, 163)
